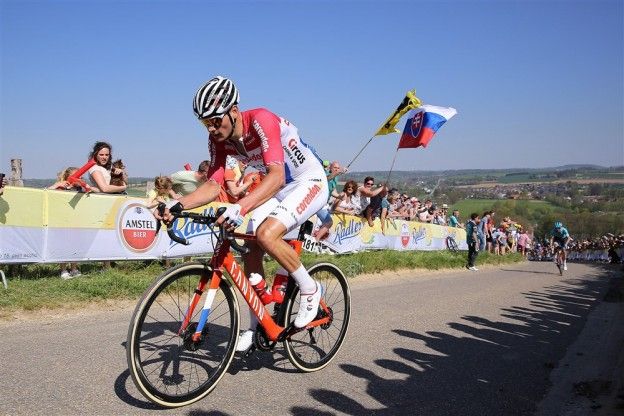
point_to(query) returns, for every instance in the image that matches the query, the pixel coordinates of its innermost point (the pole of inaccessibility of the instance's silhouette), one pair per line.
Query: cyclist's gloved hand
(233, 215)
(174, 206)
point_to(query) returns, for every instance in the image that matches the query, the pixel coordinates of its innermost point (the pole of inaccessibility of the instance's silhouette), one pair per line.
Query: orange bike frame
(223, 259)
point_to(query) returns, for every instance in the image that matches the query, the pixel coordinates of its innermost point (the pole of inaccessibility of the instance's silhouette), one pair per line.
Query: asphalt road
(420, 343)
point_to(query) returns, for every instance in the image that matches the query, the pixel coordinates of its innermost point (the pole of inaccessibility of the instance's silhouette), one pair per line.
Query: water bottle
(259, 285)
(279, 285)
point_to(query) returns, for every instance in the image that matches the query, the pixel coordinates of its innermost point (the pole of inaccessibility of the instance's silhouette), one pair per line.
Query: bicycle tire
(313, 349)
(451, 244)
(162, 365)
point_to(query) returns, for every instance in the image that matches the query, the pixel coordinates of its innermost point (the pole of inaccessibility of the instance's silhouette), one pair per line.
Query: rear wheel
(312, 349)
(171, 369)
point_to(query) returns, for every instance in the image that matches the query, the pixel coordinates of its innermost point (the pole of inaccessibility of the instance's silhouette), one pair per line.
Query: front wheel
(312, 349)
(169, 368)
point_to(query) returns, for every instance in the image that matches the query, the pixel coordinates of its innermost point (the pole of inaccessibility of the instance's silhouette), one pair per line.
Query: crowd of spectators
(608, 249)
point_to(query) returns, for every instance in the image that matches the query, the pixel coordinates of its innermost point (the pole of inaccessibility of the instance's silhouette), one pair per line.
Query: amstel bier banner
(46, 226)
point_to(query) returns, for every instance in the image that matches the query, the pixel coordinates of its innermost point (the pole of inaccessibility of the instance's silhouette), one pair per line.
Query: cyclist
(294, 188)
(559, 234)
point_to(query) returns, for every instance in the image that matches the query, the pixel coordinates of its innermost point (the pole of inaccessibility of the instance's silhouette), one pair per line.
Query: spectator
(502, 241)
(412, 209)
(454, 220)
(100, 173)
(332, 170)
(489, 229)
(438, 217)
(523, 242)
(348, 203)
(61, 180)
(388, 208)
(186, 181)
(444, 213)
(371, 199)
(472, 240)
(424, 212)
(482, 230)
(236, 184)
(162, 192)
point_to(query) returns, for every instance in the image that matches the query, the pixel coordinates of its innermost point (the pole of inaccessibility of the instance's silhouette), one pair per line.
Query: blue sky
(535, 83)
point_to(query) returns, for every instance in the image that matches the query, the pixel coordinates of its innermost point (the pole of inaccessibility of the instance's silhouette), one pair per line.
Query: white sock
(253, 321)
(307, 285)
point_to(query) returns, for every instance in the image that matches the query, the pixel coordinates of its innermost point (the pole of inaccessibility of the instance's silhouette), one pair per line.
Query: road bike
(177, 351)
(451, 244)
(558, 255)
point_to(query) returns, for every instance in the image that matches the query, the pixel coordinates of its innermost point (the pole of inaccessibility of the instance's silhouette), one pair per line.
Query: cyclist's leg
(298, 201)
(253, 264)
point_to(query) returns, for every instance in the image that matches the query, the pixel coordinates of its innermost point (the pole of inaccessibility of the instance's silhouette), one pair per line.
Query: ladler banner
(45, 226)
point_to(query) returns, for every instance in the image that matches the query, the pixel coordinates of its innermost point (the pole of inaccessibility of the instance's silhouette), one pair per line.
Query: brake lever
(170, 232)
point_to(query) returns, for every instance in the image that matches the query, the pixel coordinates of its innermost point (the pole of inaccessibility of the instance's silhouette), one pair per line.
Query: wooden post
(16, 173)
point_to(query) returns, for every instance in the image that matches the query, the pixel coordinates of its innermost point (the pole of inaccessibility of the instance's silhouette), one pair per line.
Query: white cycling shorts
(292, 205)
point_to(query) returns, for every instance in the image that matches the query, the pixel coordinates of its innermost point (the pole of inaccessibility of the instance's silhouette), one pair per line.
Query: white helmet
(215, 98)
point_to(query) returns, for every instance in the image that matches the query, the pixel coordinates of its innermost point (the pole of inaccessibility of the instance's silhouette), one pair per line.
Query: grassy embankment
(39, 286)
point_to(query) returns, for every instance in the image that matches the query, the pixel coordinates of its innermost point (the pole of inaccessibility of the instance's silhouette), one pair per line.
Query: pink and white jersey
(267, 140)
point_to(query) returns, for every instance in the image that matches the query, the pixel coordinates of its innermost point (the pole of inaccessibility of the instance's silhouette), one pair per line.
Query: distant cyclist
(294, 188)
(560, 235)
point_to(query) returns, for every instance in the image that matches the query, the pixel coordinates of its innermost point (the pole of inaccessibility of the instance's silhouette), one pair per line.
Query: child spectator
(233, 176)
(61, 180)
(162, 192)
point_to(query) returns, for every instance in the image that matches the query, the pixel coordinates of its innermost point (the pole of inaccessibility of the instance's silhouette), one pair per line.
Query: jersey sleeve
(266, 126)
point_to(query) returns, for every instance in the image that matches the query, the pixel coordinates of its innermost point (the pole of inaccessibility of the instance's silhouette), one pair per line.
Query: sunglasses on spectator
(369, 183)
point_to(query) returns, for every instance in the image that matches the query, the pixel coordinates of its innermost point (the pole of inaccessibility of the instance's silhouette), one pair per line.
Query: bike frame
(223, 260)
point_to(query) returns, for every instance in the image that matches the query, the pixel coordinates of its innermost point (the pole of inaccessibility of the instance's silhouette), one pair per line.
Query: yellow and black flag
(409, 102)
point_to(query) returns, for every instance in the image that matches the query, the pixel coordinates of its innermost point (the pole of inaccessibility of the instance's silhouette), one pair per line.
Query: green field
(468, 206)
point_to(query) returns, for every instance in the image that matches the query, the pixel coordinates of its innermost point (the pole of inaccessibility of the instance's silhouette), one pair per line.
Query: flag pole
(392, 167)
(361, 150)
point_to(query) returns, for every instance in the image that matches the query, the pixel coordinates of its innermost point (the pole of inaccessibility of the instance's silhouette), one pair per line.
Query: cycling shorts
(561, 242)
(293, 204)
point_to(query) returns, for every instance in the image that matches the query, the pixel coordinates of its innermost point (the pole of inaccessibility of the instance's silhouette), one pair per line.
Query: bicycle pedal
(249, 351)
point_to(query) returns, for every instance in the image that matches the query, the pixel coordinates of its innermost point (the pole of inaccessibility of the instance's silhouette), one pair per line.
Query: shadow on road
(481, 366)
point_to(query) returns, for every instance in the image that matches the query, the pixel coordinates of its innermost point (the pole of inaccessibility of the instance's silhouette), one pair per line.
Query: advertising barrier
(48, 226)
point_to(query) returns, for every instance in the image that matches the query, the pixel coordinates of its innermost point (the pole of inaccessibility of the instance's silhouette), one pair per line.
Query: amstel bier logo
(405, 235)
(137, 227)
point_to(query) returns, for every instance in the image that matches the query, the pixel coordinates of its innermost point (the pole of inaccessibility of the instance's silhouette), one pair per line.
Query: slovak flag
(423, 123)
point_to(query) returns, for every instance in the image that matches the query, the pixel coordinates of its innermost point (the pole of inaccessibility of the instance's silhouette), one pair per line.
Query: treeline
(540, 219)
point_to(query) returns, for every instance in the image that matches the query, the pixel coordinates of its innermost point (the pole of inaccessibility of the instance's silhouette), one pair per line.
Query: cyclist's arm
(236, 190)
(206, 193)
(270, 185)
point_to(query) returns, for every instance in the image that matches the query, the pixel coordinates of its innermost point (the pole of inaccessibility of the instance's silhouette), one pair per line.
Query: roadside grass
(39, 286)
